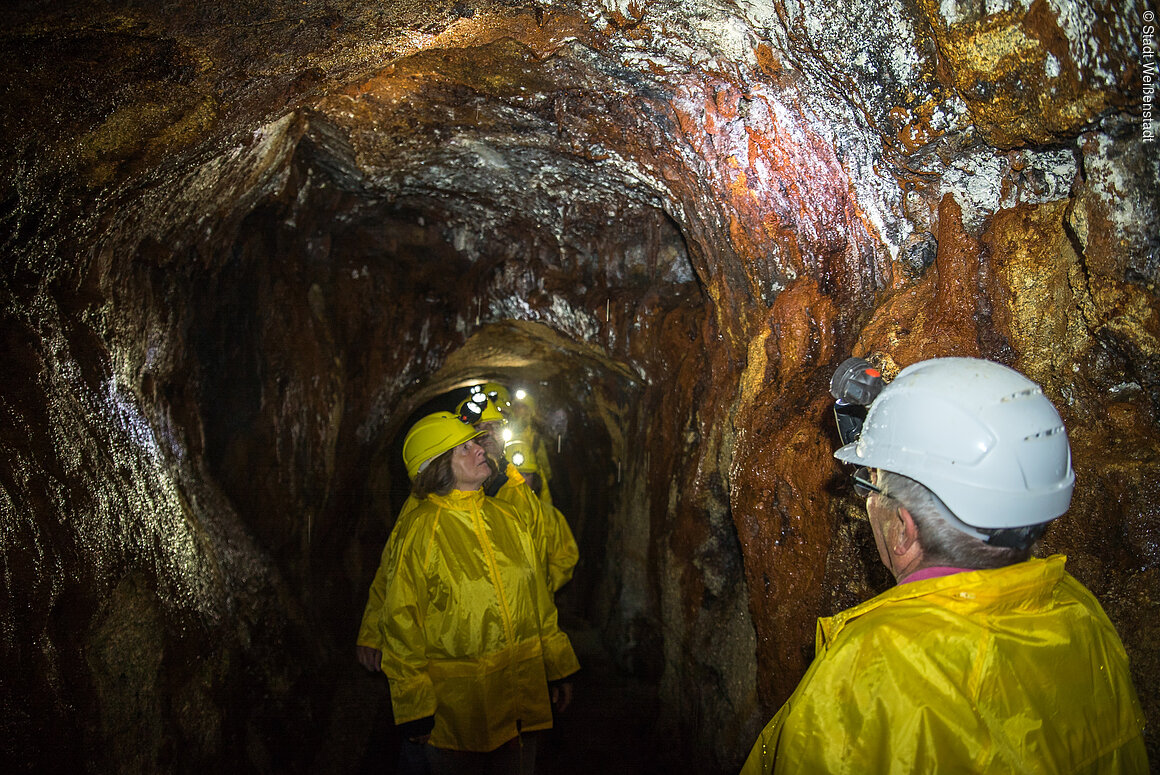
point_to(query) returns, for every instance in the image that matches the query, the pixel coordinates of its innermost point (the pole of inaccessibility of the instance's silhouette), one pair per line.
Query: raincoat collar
(1024, 584)
(460, 500)
(932, 572)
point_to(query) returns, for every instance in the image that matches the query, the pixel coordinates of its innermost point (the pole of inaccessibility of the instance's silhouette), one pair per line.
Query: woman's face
(469, 466)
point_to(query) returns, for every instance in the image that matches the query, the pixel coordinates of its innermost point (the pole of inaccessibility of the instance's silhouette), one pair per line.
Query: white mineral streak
(964, 11)
(873, 48)
(1108, 177)
(881, 56)
(977, 181)
(1078, 19)
(241, 175)
(487, 154)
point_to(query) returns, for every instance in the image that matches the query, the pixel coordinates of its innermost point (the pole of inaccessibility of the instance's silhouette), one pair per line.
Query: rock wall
(244, 244)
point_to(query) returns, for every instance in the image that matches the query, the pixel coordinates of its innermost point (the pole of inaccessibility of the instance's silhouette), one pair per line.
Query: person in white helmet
(981, 658)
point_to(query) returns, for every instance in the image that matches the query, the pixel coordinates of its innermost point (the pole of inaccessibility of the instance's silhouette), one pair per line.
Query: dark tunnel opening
(334, 324)
(611, 725)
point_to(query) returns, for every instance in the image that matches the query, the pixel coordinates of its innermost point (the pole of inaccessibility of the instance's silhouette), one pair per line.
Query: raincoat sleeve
(518, 495)
(541, 452)
(368, 631)
(401, 623)
(549, 529)
(559, 658)
(764, 752)
(563, 553)
(832, 724)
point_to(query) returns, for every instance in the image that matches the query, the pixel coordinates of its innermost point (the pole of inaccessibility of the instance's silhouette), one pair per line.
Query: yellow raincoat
(468, 627)
(553, 542)
(1015, 670)
(547, 524)
(534, 443)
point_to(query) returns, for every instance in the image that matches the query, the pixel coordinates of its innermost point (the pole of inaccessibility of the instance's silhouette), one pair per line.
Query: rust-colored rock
(245, 243)
(781, 473)
(938, 316)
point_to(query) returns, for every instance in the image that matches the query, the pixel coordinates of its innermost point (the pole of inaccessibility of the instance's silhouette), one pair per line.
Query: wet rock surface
(245, 245)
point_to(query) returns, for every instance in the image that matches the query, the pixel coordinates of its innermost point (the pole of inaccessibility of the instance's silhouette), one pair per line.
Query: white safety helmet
(980, 436)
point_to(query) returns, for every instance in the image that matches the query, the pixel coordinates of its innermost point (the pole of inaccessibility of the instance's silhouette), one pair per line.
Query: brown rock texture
(246, 244)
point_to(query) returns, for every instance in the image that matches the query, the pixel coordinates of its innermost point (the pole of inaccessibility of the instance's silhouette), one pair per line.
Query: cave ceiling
(245, 242)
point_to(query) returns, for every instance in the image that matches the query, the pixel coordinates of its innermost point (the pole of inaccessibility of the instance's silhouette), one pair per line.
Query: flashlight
(855, 384)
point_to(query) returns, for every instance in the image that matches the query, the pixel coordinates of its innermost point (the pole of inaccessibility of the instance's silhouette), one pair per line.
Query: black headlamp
(471, 411)
(855, 385)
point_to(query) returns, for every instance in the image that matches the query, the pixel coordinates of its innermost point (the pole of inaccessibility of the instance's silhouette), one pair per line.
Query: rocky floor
(610, 728)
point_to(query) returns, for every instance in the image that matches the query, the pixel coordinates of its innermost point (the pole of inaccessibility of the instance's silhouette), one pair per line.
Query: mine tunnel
(245, 246)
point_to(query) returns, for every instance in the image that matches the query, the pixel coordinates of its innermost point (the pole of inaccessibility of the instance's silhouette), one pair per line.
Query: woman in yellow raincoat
(548, 527)
(468, 627)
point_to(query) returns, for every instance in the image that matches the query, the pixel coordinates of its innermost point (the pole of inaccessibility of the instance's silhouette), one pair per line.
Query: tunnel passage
(241, 239)
(340, 310)
(585, 405)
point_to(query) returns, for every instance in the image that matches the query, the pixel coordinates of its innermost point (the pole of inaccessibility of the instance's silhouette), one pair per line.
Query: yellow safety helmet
(497, 393)
(521, 456)
(479, 408)
(525, 398)
(432, 436)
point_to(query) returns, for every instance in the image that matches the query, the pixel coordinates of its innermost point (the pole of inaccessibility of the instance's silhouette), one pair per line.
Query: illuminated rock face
(245, 244)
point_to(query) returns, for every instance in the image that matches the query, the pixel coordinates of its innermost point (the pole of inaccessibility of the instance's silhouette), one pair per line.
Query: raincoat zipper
(509, 630)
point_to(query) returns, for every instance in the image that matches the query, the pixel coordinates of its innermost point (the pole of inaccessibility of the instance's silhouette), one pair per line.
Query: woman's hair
(435, 477)
(943, 543)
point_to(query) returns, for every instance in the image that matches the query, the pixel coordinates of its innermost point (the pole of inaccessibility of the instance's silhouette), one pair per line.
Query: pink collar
(933, 573)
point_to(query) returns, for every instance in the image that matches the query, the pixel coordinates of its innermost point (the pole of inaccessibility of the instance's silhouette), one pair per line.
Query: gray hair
(947, 540)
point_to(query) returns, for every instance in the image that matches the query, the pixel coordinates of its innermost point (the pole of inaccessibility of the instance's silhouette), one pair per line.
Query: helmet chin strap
(963, 527)
(1016, 537)
(1008, 538)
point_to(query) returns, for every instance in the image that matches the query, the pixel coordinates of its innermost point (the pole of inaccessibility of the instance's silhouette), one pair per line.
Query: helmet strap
(1014, 537)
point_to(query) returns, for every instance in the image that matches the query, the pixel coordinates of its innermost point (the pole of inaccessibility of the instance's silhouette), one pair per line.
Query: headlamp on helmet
(854, 386)
(479, 408)
(520, 455)
(979, 435)
(498, 394)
